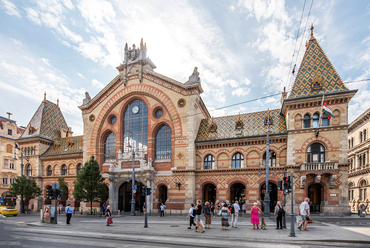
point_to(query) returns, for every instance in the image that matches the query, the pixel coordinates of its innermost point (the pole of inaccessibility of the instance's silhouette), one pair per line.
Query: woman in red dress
(255, 220)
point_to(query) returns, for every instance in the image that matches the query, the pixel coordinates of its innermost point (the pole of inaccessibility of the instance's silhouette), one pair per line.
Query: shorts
(106, 218)
(244, 211)
(304, 217)
(197, 218)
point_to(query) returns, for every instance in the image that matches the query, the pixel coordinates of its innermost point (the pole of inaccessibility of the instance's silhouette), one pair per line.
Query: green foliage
(26, 187)
(89, 185)
(63, 186)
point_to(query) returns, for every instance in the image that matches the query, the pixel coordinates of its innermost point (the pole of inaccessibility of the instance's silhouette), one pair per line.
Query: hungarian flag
(327, 111)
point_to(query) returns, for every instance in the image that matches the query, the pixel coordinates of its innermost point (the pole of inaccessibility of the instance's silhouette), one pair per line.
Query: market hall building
(184, 154)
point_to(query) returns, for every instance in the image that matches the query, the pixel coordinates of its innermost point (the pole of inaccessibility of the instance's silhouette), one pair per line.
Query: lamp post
(15, 158)
(267, 192)
(133, 178)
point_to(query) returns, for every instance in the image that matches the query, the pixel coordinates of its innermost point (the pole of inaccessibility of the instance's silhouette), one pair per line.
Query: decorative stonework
(303, 182)
(92, 118)
(181, 102)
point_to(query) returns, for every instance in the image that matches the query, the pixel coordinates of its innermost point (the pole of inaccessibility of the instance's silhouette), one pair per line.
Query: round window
(113, 119)
(158, 113)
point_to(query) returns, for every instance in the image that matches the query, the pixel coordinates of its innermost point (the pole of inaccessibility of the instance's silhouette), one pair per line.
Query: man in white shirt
(234, 216)
(304, 211)
(191, 215)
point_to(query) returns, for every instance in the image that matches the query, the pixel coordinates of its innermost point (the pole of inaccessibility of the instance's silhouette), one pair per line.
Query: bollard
(170, 212)
(41, 215)
(119, 212)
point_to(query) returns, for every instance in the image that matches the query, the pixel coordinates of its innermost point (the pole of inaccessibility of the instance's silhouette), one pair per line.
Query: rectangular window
(5, 180)
(6, 163)
(361, 192)
(9, 132)
(365, 195)
(12, 180)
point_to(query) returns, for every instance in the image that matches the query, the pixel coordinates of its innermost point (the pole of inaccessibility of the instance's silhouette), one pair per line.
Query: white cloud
(17, 42)
(41, 68)
(46, 61)
(66, 43)
(33, 16)
(241, 92)
(81, 76)
(10, 8)
(28, 58)
(97, 84)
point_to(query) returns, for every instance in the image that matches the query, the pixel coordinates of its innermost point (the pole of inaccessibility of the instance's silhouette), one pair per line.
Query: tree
(63, 186)
(26, 187)
(89, 185)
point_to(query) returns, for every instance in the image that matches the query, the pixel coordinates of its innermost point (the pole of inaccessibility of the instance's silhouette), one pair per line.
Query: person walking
(224, 216)
(279, 213)
(191, 215)
(218, 207)
(255, 220)
(60, 208)
(363, 208)
(29, 209)
(102, 210)
(304, 211)
(69, 212)
(244, 209)
(235, 214)
(108, 218)
(207, 215)
(162, 209)
(212, 209)
(198, 215)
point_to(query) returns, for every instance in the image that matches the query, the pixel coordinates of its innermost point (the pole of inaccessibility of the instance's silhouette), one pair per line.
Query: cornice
(360, 172)
(359, 121)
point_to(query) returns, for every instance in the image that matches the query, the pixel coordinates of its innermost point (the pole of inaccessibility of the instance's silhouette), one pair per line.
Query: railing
(319, 166)
(4, 185)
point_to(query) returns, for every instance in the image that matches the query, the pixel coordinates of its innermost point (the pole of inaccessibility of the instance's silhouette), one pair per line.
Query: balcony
(4, 185)
(319, 166)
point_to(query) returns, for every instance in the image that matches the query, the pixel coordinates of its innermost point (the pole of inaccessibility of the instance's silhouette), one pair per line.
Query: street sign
(134, 186)
(55, 186)
(134, 191)
(1, 198)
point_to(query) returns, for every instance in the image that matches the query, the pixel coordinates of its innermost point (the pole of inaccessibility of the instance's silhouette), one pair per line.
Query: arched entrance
(162, 194)
(209, 193)
(273, 196)
(315, 193)
(125, 196)
(237, 193)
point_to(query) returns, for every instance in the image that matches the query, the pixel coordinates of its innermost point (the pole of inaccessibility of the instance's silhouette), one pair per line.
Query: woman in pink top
(255, 220)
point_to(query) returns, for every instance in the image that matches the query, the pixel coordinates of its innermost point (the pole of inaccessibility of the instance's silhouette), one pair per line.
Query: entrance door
(237, 193)
(125, 196)
(273, 196)
(315, 193)
(209, 193)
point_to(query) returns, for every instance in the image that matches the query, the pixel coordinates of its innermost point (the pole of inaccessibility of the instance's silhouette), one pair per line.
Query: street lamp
(133, 177)
(15, 158)
(267, 160)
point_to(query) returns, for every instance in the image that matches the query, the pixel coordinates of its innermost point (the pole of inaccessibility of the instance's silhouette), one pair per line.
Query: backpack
(206, 210)
(281, 211)
(232, 209)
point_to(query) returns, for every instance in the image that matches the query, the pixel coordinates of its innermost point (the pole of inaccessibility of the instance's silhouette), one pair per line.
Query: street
(171, 231)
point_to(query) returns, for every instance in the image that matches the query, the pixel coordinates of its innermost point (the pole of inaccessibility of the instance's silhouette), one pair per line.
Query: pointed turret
(316, 74)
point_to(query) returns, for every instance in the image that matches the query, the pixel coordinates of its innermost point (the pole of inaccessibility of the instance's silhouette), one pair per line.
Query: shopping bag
(110, 221)
(299, 219)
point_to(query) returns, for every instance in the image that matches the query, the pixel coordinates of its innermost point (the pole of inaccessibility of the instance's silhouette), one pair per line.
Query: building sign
(333, 195)
(127, 165)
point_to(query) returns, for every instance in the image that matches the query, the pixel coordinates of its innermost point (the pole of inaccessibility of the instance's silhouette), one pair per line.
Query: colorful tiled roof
(64, 146)
(315, 65)
(46, 122)
(253, 125)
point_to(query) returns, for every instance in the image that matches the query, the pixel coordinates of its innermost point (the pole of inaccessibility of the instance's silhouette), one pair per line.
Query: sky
(244, 49)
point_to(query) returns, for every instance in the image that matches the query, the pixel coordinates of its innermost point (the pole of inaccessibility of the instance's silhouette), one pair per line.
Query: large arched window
(29, 170)
(349, 143)
(163, 143)
(315, 120)
(363, 193)
(110, 147)
(364, 135)
(352, 142)
(135, 126)
(361, 137)
(49, 171)
(79, 168)
(306, 121)
(64, 170)
(316, 153)
(209, 162)
(325, 120)
(238, 160)
(364, 160)
(272, 160)
(350, 191)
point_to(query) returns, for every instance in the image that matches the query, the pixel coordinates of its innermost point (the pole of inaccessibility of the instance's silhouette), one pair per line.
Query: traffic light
(53, 196)
(148, 191)
(280, 185)
(287, 185)
(143, 190)
(59, 193)
(48, 194)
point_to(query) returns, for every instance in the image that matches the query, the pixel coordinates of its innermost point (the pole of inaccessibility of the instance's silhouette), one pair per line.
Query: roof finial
(311, 29)
(58, 102)
(45, 96)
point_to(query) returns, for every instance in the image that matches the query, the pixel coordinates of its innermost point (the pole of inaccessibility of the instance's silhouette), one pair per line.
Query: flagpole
(320, 119)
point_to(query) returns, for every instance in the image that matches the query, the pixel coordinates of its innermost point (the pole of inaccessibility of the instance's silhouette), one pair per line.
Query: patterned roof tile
(253, 125)
(64, 146)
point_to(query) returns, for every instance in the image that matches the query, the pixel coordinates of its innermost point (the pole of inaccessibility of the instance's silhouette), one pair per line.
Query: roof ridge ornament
(239, 123)
(312, 29)
(194, 78)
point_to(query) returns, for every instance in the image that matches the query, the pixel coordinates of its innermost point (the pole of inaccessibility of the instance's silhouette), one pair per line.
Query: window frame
(47, 171)
(109, 147)
(29, 170)
(209, 161)
(315, 120)
(306, 121)
(64, 170)
(320, 153)
(163, 143)
(237, 162)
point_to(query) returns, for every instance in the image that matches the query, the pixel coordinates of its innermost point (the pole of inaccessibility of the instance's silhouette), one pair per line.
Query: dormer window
(268, 118)
(213, 127)
(316, 83)
(239, 123)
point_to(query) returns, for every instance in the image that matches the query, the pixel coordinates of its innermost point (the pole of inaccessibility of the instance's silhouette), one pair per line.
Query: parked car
(7, 210)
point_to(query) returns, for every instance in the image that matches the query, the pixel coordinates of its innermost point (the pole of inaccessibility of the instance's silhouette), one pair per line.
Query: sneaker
(189, 227)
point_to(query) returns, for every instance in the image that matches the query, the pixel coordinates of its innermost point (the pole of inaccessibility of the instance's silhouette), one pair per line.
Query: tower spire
(311, 29)
(45, 96)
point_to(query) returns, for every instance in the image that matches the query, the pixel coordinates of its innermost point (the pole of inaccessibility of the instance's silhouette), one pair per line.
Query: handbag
(219, 213)
(110, 221)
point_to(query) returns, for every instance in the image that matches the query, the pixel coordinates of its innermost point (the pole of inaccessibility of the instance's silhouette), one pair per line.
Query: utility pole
(284, 217)
(292, 231)
(266, 200)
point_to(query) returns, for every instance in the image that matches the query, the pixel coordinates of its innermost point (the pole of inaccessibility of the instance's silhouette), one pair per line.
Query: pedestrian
(102, 210)
(191, 215)
(198, 214)
(255, 220)
(212, 209)
(32, 207)
(144, 208)
(108, 216)
(69, 212)
(29, 208)
(60, 208)
(279, 213)
(162, 209)
(235, 214)
(304, 211)
(224, 216)
(218, 207)
(244, 209)
(207, 214)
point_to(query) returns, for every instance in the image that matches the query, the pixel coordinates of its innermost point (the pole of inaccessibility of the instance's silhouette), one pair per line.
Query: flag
(16, 146)
(327, 111)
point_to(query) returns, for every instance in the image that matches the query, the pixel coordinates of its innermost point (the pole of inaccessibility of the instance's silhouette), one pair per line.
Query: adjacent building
(358, 156)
